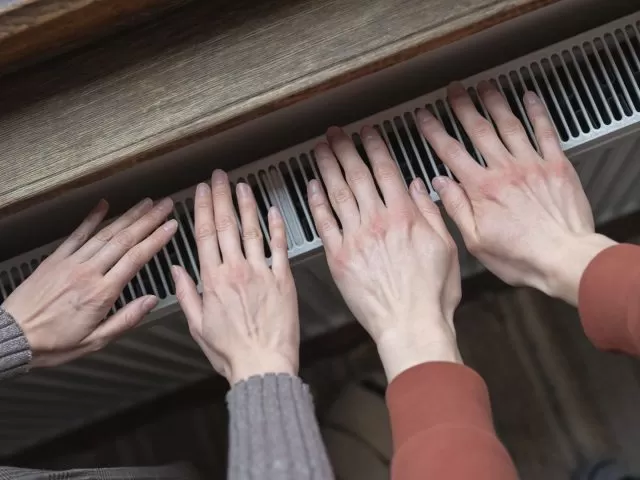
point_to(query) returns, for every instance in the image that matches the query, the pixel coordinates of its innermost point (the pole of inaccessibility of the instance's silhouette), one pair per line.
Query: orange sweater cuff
(437, 393)
(608, 299)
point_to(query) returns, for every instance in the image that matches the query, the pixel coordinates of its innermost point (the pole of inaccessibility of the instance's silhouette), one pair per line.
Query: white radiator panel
(590, 84)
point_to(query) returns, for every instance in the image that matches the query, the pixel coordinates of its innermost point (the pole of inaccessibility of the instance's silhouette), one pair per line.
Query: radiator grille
(591, 87)
(590, 84)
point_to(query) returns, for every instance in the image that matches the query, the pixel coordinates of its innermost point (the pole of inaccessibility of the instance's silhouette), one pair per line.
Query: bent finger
(188, 297)
(323, 218)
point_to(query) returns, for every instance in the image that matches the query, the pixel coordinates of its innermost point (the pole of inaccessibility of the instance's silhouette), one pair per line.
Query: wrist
(259, 365)
(563, 275)
(405, 347)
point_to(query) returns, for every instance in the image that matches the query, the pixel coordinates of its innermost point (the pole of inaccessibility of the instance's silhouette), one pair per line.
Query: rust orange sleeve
(609, 299)
(442, 426)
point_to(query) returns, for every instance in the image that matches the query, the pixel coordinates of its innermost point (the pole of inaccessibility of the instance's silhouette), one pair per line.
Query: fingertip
(418, 186)
(149, 303)
(176, 272)
(314, 189)
(531, 99)
(219, 176)
(334, 131)
(440, 183)
(274, 214)
(171, 226)
(456, 89)
(202, 190)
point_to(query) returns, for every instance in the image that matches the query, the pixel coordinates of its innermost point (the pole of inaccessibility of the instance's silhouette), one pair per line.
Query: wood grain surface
(33, 28)
(201, 69)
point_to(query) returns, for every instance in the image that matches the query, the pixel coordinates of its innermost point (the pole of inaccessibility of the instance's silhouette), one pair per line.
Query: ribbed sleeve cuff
(15, 353)
(608, 299)
(273, 432)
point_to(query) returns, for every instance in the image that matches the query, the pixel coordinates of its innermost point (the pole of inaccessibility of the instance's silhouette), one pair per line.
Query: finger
(225, 218)
(81, 234)
(510, 127)
(356, 172)
(428, 208)
(385, 170)
(138, 256)
(543, 128)
(188, 297)
(450, 151)
(206, 238)
(341, 197)
(479, 129)
(95, 244)
(251, 232)
(279, 250)
(323, 218)
(122, 321)
(124, 241)
(457, 205)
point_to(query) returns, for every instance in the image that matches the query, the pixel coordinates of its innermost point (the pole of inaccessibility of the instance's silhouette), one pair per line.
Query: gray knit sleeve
(15, 353)
(273, 431)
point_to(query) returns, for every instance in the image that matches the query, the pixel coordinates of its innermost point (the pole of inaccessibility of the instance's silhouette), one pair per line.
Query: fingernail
(219, 176)
(322, 151)
(175, 272)
(314, 187)
(456, 89)
(531, 98)
(165, 204)
(202, 190)
(368, 133)
(243, 190)
(145, 202)
(419, 186)
(424, 115)
(171, 225)
(102, 204)
(334, 131)
(274, 214)
(484, 86)
(439, 183)
(149, 303)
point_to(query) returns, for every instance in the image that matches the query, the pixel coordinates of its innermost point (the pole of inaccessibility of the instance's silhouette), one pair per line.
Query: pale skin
(525, 216)
(62, 306)
(394, 261)
(246, 320)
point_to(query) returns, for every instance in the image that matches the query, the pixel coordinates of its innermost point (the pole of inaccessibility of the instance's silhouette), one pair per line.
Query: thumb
(188, 297)
(457, 205)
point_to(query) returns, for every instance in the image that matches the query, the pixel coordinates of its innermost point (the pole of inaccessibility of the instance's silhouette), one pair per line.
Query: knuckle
(357, 175)
(452, 149)
(104, 235)
(512, 127)
(385, 170)
(204, 231)
(80, 236)
(324, 225)
(546, 134)
(124, 239)
(342, 195)
(219, 191)
(224, 223)
(481, 129)
(134, 258)
(251, 233)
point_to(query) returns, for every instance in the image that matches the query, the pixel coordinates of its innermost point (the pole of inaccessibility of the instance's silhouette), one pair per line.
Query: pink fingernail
(531, 98)
(175, 272)
(439, 183)
(149, 303)
(274, 213)
(424, 115)
(314, 187)
(368, 133)
(419, 186)
(243, 190)
(202, 190)
(334, 131)
(171, 225)
(219, 176)
(456, 89)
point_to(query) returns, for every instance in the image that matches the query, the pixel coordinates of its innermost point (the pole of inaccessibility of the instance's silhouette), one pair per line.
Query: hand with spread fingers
(246, 321)
(525, 215)
(394, 261)
(61, 307)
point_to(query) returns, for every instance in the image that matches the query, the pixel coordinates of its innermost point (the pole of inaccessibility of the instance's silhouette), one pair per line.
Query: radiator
(591, 86)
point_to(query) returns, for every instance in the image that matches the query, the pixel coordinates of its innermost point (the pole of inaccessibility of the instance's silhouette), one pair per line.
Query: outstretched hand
(246, 321)
(62, 306)
(393, 260)
(525, 216)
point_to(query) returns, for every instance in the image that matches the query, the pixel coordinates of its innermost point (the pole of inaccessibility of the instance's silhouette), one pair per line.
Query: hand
(247, 319)
(525, 216)
(62, 306)
(394, 261)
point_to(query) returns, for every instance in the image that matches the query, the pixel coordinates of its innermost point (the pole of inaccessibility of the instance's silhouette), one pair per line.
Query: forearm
(273, 431)
(15, 353)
